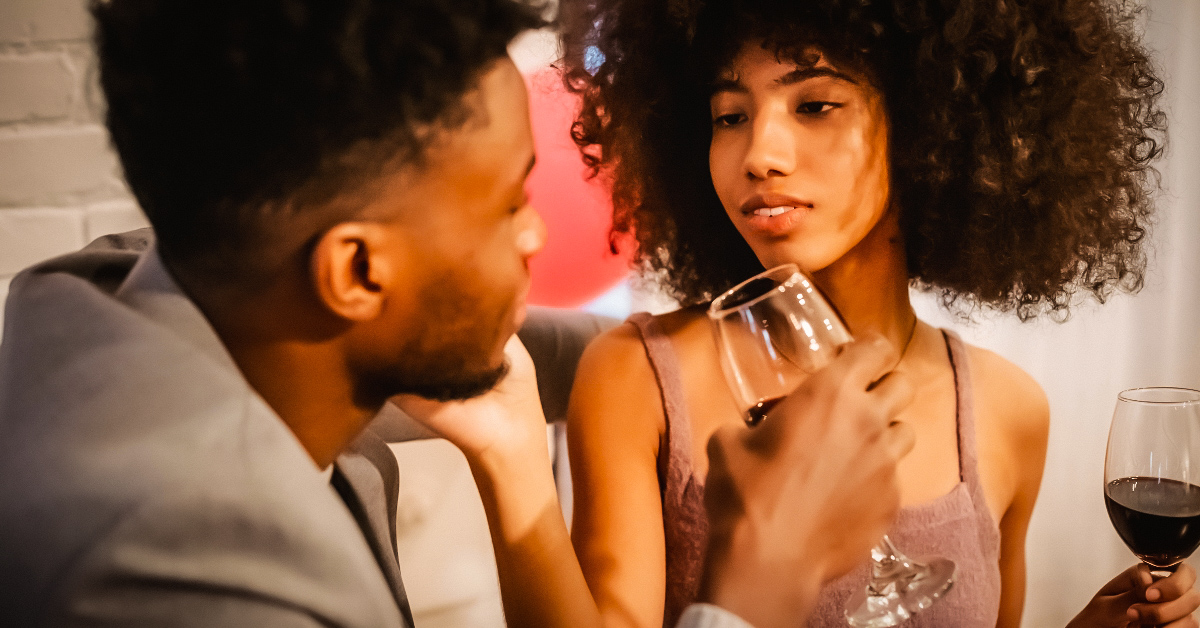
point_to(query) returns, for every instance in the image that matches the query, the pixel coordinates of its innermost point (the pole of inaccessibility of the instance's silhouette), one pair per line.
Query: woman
(995, 152)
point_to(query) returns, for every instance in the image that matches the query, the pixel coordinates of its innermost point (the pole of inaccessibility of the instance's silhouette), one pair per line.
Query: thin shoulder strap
(968, 457)
(674, 468)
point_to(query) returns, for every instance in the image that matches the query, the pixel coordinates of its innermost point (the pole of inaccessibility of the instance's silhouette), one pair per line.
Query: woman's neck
(869, 284)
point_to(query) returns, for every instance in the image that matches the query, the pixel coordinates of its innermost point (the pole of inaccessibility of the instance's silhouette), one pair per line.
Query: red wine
(759, 411)
(1158, 519)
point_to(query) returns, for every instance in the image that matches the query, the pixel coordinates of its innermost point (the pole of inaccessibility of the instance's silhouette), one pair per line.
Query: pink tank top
(957, 525)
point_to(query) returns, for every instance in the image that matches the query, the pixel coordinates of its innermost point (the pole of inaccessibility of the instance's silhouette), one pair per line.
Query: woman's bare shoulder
(615, 381)
(615, 390)
(689, 330)
(1010, 399)
(615, 359)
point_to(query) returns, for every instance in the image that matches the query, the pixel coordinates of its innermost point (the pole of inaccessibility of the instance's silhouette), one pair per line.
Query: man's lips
(520, 308)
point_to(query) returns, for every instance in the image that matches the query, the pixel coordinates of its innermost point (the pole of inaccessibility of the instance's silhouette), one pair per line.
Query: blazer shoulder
(228, 553)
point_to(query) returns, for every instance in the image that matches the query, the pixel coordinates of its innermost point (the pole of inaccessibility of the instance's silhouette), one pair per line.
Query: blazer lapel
(367, 478)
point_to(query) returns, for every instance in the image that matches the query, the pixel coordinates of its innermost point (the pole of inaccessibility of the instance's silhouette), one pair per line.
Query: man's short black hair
(225, 110)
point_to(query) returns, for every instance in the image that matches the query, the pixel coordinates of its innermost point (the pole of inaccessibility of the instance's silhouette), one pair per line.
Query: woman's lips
(773, 214)
(776, 220)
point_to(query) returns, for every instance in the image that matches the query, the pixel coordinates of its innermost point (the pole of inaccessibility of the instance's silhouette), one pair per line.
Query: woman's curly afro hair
(1023, 133)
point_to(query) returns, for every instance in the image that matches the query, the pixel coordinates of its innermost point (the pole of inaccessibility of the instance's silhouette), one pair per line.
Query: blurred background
(61, 187)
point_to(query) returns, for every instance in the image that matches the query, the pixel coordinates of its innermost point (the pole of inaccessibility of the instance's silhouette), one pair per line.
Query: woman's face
(798, 157)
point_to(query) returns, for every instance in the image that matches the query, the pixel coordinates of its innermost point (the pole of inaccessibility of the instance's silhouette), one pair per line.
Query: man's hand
(506, 421)
(802, 497)
(1134, 598)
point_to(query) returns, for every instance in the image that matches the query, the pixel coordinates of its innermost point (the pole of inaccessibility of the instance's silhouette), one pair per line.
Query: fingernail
(1152, 594)
(1133, 614)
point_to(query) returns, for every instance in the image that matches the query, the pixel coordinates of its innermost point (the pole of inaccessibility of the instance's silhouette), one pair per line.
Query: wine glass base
(886, 602)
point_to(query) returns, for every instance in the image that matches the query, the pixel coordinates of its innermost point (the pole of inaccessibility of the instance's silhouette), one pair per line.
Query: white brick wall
(60, 182)
(43, 21)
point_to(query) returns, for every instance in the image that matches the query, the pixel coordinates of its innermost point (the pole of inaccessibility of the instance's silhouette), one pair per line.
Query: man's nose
(532, 237)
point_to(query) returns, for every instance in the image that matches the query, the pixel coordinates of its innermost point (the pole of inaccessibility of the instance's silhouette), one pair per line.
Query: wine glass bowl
(772, 331)
(1151, 487)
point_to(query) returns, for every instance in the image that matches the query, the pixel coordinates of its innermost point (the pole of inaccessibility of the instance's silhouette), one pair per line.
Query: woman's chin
(794, 253)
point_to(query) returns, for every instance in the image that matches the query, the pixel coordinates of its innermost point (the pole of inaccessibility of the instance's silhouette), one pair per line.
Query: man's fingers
(865, 360)
(727, 448)
(893, 393)
(900, 439)
(718, 443)
(724, 456)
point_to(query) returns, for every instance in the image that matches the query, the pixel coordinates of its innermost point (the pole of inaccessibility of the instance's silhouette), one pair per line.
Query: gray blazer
(143, 482)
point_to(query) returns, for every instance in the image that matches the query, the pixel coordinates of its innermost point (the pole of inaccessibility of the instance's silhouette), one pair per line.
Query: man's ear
(351, 272)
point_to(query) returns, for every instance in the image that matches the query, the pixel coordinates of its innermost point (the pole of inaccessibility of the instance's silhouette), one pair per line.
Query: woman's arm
(503, 436)
(1014, 426)
(614, 421)
(1030, 440)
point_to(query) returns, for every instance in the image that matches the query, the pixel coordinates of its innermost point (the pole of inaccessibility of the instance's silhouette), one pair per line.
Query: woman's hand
(504, 422)
(1134, 598)
(502, 433)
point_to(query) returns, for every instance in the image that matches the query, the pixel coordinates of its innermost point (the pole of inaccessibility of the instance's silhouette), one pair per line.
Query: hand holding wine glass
(822, 467)
(772, 331)
(1152, 474)
(1135, 598)
(1152, 494)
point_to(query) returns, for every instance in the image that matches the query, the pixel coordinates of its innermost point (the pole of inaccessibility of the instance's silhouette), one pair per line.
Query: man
(336, 191)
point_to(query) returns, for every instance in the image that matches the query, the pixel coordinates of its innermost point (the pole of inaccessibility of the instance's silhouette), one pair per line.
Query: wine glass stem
(1158, 573)
(886, 559)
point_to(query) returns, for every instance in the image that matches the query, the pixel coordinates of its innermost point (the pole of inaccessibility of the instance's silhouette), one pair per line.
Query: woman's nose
(772, 149)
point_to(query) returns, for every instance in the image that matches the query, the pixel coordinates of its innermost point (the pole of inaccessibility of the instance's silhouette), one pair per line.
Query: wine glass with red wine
(772, 331)
(1151, 486)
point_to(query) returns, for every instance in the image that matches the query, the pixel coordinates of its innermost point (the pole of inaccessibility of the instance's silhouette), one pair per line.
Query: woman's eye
(816, 106)
(728, 119)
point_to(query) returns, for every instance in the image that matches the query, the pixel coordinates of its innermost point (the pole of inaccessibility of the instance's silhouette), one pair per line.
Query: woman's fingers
(1166, 612)
(1186, 622)
(1170, 601)
(1133, 578)
(1172, 586)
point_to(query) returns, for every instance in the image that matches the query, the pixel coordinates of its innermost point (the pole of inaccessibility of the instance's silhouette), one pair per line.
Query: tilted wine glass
(772, 331)
(1151, 487)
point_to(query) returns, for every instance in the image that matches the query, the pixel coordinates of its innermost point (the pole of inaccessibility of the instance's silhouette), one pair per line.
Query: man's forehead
(484, 156)
(494, 116)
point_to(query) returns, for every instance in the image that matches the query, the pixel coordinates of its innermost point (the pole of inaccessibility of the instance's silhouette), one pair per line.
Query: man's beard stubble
(464, 386)
(442, 361)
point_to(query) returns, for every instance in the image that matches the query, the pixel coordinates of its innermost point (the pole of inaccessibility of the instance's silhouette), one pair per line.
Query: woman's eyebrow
(801, 74)
(727, 85)
(734, 84)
